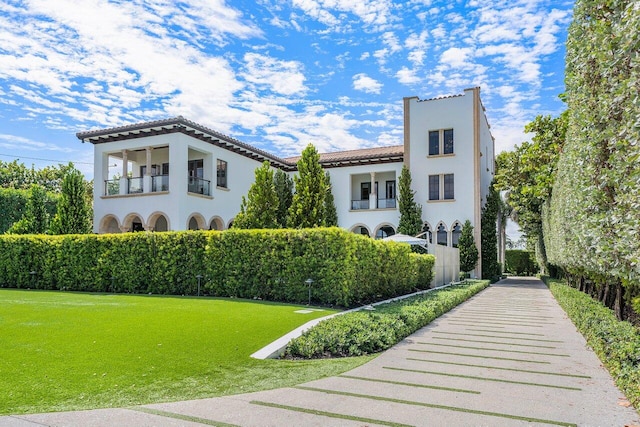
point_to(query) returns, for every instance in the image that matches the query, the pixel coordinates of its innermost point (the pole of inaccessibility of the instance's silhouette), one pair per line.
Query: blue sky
(277, 74)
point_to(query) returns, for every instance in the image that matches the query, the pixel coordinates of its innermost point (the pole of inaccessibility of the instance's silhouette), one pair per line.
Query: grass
(69, 351)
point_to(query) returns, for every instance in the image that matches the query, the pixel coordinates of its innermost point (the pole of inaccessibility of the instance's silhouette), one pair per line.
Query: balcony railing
(199, 186)
(160, 183)
(359, 204)
(111, 187)
(386, 203)
(135, 185)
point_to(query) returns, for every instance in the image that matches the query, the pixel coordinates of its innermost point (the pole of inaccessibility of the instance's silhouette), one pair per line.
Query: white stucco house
(175, 174)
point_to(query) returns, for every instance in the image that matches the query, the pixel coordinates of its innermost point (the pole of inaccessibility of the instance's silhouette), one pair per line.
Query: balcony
(359, 204)
(159, 183)
(112, 187)
(135, 185)
(199, 186)
(386, 203)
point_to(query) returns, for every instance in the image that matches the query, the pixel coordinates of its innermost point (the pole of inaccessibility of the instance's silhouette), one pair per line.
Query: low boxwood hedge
(365, 332)
(347, 269)
(616, 343)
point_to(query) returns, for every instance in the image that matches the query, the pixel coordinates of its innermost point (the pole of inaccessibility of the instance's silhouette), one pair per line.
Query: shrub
(616, 343)
(347, 269)
(359, 333)
(519, 262)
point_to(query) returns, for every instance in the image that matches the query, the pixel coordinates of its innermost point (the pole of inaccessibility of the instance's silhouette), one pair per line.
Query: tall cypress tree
(73, 214)
(330, 214)
(489, 237)
(468, 249)
(284, 190)
(410, 211)
(307, 207)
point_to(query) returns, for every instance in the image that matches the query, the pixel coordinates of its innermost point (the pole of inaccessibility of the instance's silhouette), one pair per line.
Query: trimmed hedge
(346, 268)
(359, 333)
(519, 262)
(616, 343)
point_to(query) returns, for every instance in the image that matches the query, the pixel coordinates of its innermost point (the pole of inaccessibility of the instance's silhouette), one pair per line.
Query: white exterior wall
(177, 205)
(346, 181)
(471, 162)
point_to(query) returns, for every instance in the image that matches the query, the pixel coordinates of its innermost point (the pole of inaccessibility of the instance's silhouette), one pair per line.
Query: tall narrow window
(441, 235)
(196, 168)
(427, 234)
(434, 187)
(448, 141)
(434, 142)
(448, 186)
(221, 173)
(455, 235)
(365, 189)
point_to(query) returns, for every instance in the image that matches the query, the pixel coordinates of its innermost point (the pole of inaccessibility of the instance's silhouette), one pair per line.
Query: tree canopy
(308, 206)
(410, 211)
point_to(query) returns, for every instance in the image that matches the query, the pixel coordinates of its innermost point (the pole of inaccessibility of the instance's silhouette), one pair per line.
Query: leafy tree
(488, 235)
(330, 214)
(36, 217)
(410, 211)
(17, 175)
(307, 206)
(528, 174)
(467, 247)
(73, 213)
(260, 208)
(284, 189)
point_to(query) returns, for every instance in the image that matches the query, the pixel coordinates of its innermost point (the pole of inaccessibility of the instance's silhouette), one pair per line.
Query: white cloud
(371, 12)
(457, 57)
(407, 76)
(282, 77)
(364, 83)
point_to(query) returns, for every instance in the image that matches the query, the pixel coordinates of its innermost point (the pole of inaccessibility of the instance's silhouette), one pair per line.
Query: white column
(373, 196)
(146, 179)
(124, 182)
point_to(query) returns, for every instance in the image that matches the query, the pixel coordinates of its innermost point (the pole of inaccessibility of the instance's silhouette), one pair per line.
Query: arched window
(441, 235)
(385, 231)
(193, 223)
(161, 224)
(455, 234)
(427, 233)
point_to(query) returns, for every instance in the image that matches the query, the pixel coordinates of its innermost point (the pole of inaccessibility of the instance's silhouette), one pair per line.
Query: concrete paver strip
(509, 356)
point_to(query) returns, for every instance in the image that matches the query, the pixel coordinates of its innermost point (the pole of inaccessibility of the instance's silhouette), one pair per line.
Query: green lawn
(65, 351)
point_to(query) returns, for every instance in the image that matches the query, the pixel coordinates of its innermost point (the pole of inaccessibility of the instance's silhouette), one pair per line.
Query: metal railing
(135, 185)
(199, 186)
(386, 203)
(111, 187)
(160, 183)
(359, 204)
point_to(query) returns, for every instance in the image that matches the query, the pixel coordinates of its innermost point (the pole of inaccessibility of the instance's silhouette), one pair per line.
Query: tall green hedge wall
(347, 269)
(520, 262)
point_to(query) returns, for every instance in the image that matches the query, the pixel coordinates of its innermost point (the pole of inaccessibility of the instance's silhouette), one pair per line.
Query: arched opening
(426, 232)
(385, 231)
(361, 229)
(216, 224)
(456, 231)
(441, 235)
(133, 223)
(109, 224)
(193, 224)
(161, 224)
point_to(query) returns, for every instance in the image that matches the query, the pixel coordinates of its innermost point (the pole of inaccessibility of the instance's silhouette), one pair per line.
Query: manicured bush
(359, 333)
(347, 269)
(616, 343)
(520, 262)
